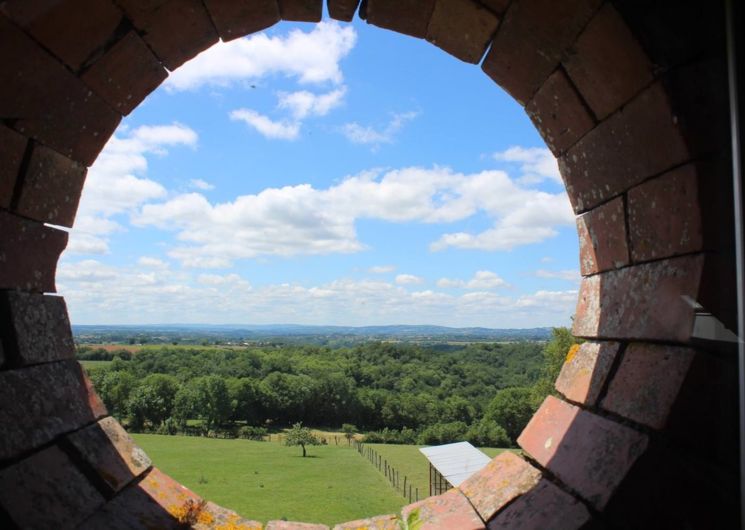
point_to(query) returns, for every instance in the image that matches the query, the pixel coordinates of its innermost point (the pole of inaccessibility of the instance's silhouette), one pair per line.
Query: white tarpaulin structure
(451, 464)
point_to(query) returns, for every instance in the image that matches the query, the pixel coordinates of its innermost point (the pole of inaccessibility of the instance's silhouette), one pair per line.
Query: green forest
(392, 392)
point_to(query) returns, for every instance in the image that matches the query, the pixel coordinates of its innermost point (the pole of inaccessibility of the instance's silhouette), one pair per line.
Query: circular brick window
(628, 96)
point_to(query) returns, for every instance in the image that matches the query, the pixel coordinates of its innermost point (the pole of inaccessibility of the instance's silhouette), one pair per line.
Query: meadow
(409, 461)
(267, 480)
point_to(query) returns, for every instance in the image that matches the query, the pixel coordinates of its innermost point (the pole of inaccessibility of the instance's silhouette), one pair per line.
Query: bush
(443, 433)
(250, 432)
(391, 436)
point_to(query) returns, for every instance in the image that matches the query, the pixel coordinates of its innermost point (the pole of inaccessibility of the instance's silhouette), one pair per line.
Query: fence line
(389, 472)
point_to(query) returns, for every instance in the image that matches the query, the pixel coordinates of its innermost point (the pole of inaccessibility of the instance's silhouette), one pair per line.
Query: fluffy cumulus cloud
(408, 279)
(302, 103)
(483, 280)
(264, 125)
(368, 135)
(167, 295)
(305, 220)
(117, 184)
(311, 57)
(536, 163)
(200, 184)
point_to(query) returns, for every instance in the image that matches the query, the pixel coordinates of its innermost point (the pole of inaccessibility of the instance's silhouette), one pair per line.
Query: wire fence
(391, 474)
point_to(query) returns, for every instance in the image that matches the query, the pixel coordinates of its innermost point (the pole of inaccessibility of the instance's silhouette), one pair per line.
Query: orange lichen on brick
(571, 353)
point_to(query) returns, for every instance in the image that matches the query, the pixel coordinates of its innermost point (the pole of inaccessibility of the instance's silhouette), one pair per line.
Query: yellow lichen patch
(571, 353)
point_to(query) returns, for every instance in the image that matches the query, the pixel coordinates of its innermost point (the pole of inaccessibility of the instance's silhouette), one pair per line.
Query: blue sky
(324, 174)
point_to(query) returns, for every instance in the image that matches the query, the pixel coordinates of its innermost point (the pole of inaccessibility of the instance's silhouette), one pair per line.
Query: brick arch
(628, 95)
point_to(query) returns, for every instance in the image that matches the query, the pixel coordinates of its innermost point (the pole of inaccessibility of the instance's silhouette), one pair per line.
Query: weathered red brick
(157, 501)
(12, 148)
(498, 6)
(558, 113)
(640, 141)
(343, 9)
(607, 63)
(532, 38)
(111, 452)
(46, 490)
(664, 216)
(544, 507)
(381, 522)
(410, 17)
(585, 370)
(602, 238)
(647, 382)
(505, 478)
(38, 327)
(463, 28)
(41, 402)
(236, 18)
(51, 187)
(28, 253)
(587, 452)
(73, 30)
(214, 517)
(48, 102)
(648, 301)
(292, 525)
(449, 510)
(176, 30)
(125, 74)
(301, 10)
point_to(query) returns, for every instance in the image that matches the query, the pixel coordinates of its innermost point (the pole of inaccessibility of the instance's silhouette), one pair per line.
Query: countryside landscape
(317, 424)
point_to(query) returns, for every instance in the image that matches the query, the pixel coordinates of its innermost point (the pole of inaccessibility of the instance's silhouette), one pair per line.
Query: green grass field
(88, 365)
(266, 480)
(407, 460)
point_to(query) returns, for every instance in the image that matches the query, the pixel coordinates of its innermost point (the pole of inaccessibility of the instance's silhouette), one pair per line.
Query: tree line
(397, 393)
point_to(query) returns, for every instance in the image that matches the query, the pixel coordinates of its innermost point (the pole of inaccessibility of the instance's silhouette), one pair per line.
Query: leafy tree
(488, 433)
(511, 408)
(215, 400)
(152, 400)
(301, 436)
(554, 354)
(348, 429)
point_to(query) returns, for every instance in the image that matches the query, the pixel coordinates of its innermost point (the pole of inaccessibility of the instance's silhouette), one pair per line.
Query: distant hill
(195, 333)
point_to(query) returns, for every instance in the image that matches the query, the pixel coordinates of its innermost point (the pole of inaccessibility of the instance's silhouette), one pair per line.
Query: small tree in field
(348, 429)
(301, 436)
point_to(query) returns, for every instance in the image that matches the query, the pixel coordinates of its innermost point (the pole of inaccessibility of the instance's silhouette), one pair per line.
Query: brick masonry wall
(628, 95)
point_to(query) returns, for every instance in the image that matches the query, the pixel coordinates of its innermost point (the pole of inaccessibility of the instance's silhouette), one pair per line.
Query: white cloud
(481, 280)
(280, 130)
(154, 263)
(167, 296)
(381, 269)
(408, 279)
(311, 57)
(303, 103)
(570, 275)
(304, 220)
(536, 163)
(200, 184)
(360, 134)
(116, 185)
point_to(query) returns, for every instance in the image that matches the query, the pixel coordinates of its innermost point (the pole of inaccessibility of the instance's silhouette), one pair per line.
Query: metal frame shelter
(451, 464)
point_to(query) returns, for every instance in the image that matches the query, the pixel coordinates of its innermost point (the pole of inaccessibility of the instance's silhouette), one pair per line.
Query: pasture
(407, 460)
(267, 480)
